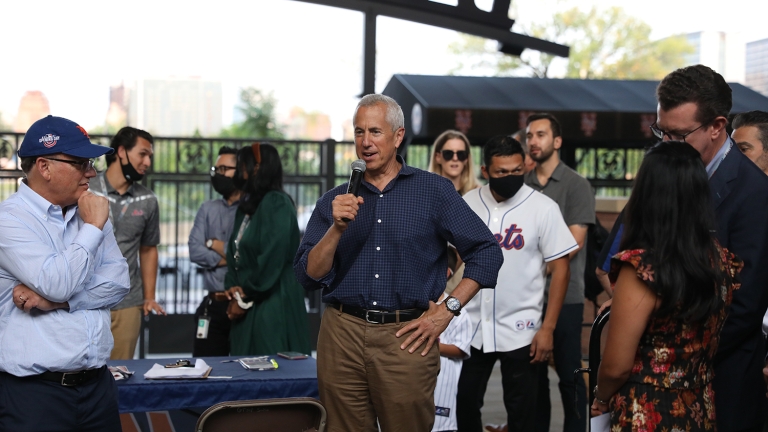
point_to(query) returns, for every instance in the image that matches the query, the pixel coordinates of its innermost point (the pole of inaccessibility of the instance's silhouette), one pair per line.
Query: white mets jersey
(531, 232)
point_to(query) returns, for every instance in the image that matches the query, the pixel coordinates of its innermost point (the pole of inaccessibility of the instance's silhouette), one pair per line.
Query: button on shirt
(214, 220)
(63, 259)
(393, 255)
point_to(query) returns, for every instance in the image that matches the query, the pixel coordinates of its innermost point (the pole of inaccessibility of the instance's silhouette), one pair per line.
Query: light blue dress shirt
(64, 260)
(719, 156)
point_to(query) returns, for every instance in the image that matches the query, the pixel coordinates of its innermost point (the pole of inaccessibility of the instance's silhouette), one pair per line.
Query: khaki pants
(364, 376)
(126, 324)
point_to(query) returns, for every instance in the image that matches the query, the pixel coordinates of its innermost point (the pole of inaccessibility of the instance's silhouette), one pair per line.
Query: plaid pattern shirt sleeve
(394, 255)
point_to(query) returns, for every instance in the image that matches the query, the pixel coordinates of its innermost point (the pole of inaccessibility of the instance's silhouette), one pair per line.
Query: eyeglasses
(660, 134)
(83, 166)
(460, 155)
(221, 169)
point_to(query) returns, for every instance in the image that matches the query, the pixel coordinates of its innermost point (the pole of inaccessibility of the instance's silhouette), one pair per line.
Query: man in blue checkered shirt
(380, 259)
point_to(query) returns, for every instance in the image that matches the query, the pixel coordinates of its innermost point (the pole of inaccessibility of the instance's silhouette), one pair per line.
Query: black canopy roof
(590, 110)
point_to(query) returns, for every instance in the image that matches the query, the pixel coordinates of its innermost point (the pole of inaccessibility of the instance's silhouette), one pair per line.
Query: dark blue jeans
(567, 357)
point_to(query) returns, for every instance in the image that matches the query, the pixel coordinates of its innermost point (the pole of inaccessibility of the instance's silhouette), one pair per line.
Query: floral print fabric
(670, 386)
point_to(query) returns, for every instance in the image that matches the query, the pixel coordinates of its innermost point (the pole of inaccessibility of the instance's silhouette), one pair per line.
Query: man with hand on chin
(380, 259)
(60, 272)
(508, 320)
(134, 212)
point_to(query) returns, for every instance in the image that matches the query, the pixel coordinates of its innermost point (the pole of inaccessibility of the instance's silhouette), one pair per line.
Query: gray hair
(394, 115)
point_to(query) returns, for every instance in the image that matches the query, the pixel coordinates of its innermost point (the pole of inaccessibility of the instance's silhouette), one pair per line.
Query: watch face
(453, 304)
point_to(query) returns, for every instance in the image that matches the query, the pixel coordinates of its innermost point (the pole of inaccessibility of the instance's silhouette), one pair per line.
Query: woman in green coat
(270, 316)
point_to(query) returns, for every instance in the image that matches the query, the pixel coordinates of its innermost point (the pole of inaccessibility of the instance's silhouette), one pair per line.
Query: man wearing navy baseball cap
(60, 272)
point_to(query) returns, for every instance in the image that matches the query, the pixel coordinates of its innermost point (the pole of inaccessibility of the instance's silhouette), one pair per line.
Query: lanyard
(125, 203)
(243, 227)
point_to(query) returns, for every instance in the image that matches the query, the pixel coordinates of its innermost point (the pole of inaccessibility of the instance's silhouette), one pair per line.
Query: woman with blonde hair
(452, 159)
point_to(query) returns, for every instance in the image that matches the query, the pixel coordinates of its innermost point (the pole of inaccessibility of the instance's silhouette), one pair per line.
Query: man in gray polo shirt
(573, 194)
(134, 213)
(208, 249)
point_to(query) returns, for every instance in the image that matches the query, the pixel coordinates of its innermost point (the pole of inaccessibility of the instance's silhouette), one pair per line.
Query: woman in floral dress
(673, 283)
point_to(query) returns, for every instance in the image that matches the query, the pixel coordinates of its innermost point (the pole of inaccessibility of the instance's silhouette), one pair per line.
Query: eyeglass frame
(679, 137)
(84, 166)
(218, 169)
(455, 153)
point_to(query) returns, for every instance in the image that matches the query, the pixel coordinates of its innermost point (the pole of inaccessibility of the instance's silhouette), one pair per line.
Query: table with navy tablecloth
(292, 378)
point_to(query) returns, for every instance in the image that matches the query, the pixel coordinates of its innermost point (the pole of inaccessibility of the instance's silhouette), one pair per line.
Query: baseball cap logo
(49, 140)
(80, 128)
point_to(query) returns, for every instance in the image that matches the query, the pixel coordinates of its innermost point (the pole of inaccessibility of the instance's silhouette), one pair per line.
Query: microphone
(358, 168)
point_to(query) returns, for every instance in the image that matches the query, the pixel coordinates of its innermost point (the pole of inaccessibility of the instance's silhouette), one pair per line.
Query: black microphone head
(358, 165)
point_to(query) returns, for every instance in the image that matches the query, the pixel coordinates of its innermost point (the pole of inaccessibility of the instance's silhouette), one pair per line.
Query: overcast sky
(308, 55)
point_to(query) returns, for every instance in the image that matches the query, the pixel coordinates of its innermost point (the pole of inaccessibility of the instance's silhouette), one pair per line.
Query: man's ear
(718, 126)
(43, 167)
(399, 134)
(558, 142)
(484, 172)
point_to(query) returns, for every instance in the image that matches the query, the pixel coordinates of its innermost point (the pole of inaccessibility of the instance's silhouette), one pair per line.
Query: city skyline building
(303, 125)
(757, 66)
(721, 51)
(175, 106)
(32, 107)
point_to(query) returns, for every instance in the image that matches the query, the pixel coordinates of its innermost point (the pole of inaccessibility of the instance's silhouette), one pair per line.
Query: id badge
(202, 327)
(442, 412)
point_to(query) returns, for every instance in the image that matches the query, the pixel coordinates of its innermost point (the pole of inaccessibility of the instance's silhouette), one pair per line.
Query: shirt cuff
(79, 301)
(322, 281)
(89, 237)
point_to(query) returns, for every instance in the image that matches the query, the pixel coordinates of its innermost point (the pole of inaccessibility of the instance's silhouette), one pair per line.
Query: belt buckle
(369, 320)
(64, 379)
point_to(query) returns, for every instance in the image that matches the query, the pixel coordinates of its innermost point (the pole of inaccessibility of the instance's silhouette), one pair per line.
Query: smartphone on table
(292, 355)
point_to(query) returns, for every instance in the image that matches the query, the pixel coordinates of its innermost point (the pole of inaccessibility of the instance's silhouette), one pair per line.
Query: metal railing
(180, 178)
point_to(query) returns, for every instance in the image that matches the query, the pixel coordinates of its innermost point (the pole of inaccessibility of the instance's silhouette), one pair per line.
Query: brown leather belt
(70, 379)
(377, 316)
(218, 296)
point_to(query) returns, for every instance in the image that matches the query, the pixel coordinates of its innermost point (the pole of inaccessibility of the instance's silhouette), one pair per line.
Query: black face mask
(223, 185)
(506, 187)
(129, 172)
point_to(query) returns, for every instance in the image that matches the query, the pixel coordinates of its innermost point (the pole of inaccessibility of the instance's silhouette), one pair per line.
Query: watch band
(456, 312)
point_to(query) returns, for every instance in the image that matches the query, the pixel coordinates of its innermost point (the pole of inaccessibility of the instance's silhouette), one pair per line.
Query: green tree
(258, 111)
(605, 43)
(106, 129)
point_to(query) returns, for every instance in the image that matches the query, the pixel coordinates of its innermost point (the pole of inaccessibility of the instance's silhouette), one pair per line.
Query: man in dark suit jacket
(694, 103)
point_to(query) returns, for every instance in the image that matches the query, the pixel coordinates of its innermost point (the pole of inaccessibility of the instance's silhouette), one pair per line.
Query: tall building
(723, 52)
(757, 66)
(117, 114)
(32, 107)
(176, 106)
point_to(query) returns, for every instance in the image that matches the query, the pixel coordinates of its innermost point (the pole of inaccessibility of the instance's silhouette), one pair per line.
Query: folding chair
(264, 415)
(594, 354)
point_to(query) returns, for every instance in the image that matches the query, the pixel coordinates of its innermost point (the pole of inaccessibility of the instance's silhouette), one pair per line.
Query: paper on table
(160, 372)
(601, 423)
